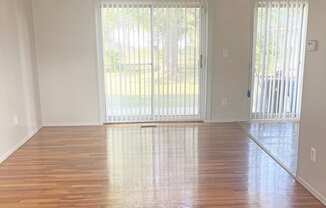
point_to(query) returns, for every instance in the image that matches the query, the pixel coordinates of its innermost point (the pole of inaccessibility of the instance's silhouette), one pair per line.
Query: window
(279, 37)
(152, 54)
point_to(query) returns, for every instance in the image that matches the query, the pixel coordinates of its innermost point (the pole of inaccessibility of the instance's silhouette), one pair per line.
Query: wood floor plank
(173, 165)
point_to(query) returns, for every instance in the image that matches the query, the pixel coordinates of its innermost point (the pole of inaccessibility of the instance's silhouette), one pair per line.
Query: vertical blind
(279, 36)
(152, 59)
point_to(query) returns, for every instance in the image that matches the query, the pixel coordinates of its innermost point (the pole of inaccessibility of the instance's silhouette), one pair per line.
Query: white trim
(227, 120)
(156, 121)
(100, 64)
(204, 109)
(204, 97)
(304, 52)
(252, 65)
(71, 124)
(192, 3)
(312, 190)
(275, 121)
(18, 145)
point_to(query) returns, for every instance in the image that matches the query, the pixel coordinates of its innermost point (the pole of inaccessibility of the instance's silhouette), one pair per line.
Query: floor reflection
(157, 165)
(265, 179)
(193, 166)
(280, 139)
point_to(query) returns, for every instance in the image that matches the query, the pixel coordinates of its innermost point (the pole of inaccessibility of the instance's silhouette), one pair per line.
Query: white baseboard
(70, 124)
(18, 145)
(312, 190)
(225, 121)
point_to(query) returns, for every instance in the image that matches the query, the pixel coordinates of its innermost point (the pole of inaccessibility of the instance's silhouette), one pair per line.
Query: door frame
(252, 64)
(100, 63)
(204, 97)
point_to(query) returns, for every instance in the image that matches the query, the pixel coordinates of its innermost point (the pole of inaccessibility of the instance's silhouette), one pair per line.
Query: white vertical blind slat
(185, 62)
(275, 86)
(268, 65)
(152, 63)
(295, 58)
(288, 57)
(195, 63)
(164, 76)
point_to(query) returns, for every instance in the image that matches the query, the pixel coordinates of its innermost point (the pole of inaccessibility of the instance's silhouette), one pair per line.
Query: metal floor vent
(148, 126)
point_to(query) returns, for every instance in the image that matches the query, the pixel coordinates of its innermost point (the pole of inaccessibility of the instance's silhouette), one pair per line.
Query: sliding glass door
(152, 54)
(278, 58)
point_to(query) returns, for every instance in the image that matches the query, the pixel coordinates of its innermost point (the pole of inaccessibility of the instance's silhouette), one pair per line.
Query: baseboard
(18, 145)
(312, 190)
(70, 124)
(225, 121)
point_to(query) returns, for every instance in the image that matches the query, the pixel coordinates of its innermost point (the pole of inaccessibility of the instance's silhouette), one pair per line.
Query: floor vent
(148, 126)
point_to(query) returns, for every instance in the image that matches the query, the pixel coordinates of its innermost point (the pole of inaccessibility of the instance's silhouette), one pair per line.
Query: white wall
(18, 87)
(230, 70)
(312, 128)
(66, 50)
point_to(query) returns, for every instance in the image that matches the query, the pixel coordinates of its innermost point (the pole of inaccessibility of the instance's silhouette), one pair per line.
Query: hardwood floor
(173, 165)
